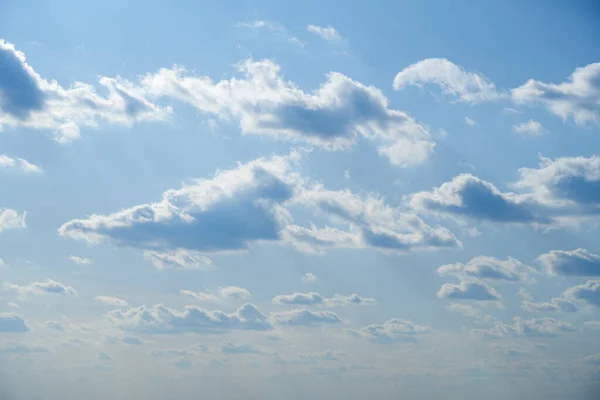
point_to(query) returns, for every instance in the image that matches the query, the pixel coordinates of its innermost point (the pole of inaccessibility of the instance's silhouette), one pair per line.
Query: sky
(328, 200)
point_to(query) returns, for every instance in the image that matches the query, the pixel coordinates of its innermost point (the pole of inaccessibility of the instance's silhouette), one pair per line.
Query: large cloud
(541, 327)
(250, 204)
(11, 219)
(578, 98)
(392, 331)
(47, 286)
(336, 115)
(468, 290)
(12, 323)
(489, 268)
(160, 319)
(452, 79)
(578, 262)
(26, 99)
(588, 292)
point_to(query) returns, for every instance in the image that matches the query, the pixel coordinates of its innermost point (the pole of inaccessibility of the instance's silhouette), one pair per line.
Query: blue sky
(320, 199)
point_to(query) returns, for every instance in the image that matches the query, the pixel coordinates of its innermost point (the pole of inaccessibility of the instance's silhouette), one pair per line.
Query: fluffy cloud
(47, 286)
(468, 290)
(12, 323)
(578, 262)
(160, 319)
(111, 301)
(483, 267)
(80, 260)
(452, 79)
(26, 99)
(230, 348)
(226, 292)
(312, 298)
(578, 98)
(249, 204)
(309, 277)
(534, 327)
(530, 127)
(18, 163)
(11, 219)
(307, 318)
(588, 292)
(554, 305)
(392, 331)
(334, 116)
(325, 32)
(179, 258)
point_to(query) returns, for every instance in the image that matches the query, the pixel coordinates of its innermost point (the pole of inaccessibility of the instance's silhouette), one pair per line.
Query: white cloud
(300, 299)
(80, 260)
(554, 305)
(303, 317)
(334, 116)
(273, 27)
(588, 292)
(469, 121)
(234, 292)
(452, 79)
(224, 293)
(179, 258)
(29, 100)
(578, 98)
(530, 127)
(19, 163)
(309, 277)
(160, 319)
(490, 268)
(111, 301)
(12, 323)
(521, 327)
(392, 331)
(11, 219)
(44, 287)
(325, 32)
(469, 290)
(578, 262)
(200, 296)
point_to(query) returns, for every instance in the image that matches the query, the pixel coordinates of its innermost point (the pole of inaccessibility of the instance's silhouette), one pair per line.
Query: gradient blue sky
(269, 199)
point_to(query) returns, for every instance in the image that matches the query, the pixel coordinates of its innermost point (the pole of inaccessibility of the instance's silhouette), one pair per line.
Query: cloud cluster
(468, 290)
(490, 268)
(19, 163)
(556, 304)
(112, 301)
(306, 318)
(392, 331)
(325, 32)
(223, 293)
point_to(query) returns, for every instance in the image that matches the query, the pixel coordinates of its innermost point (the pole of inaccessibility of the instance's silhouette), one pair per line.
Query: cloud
(554, 305)
(200, 295)
(278, 29)
(577, 99)
(234, 292)
(80, 260)
(334, 116)
(160, 319)
(230, 348)
(541, 327)
(179, 258)
(588, 292)
(307, 318)
(578, 262)
(12, 323)
(111, 301)
(469, 121)
(309, 277)
(11, 219)
(131, 340)
(452, 79)
(20, 348)
(325, 32)
(19, 163)
(490, 268)
(353, 299)
(306, 299)
(468, 290)
(44, 287)
(26, 99)
(392, 331)
(530, 127)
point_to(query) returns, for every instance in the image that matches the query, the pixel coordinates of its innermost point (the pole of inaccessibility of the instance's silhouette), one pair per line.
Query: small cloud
(45, 287)
(112, 301)
(469, 121)
(325, 32)
(530, 127)
(80, 260)
(309, 277)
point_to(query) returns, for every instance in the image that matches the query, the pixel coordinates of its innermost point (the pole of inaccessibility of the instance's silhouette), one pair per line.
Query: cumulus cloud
(392, 331)
(161, 319)
(468, 290)
(179, 258)
(18, 163)
(307, 318)
(308, 299)
(577, 99)
(230, 348)
(234, 292)
(490, 268)
(309, 277)
(224, 293)
(12, 323)
(578, 262)
(26, 99)
(325, 32)
(111, 301)
(541, 327)
(451, 78)
(44, 287)
(588, 292)
(334, 116)
(530, 127)
(80, 260)
(11, 219)
(554, 305)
